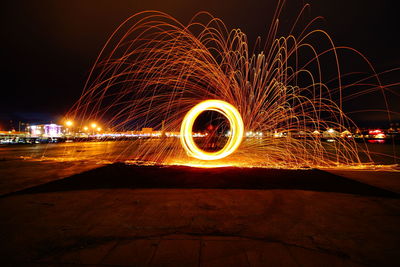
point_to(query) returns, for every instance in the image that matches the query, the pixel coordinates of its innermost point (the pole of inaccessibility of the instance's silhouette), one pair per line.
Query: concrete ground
(121, 215)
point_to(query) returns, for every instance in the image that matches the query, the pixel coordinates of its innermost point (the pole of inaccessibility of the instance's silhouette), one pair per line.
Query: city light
(377, 131)
(94, 125)
(69, 123)
(378, 134)
(85, 128)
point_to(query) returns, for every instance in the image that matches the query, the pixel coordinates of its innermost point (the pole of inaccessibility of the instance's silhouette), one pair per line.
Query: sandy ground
(120, 215)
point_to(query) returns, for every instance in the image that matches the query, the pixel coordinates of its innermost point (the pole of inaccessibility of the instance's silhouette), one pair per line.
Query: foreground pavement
(149, 216)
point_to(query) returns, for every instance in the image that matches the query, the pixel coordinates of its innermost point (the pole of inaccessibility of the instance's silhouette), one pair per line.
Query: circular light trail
(236, 129)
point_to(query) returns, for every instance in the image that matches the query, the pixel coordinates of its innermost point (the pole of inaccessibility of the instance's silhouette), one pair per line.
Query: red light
(376, 141)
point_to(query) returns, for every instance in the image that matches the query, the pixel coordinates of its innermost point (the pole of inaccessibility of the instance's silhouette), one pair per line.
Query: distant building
(346, 134)
(330, 133)
(45, 130)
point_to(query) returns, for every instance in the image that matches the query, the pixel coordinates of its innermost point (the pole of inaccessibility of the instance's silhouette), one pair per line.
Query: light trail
(153, 70)
(236, 129)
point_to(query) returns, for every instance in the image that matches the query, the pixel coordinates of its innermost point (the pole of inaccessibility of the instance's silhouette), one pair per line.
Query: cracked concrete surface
(70, 224)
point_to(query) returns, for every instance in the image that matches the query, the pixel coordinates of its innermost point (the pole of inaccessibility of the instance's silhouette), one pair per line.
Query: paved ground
(383, 179)
(147, 216)
(23, 166)
(19, 174)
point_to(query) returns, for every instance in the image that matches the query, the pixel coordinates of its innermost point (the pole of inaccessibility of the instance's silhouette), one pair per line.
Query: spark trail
(153, 70)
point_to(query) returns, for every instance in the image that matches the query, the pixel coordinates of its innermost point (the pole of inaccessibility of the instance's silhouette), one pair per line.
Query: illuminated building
(376, 134)
(45, 130)
(330, 133)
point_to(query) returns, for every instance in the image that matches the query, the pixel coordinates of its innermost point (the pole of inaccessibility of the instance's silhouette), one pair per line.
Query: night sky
(49, 46)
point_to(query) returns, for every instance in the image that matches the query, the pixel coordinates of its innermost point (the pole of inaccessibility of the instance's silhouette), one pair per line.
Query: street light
(69, 123)
(98, 129)
(94, 125)
(85, 128)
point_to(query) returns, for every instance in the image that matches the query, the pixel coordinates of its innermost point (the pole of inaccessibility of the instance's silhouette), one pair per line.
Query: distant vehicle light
(377, 131)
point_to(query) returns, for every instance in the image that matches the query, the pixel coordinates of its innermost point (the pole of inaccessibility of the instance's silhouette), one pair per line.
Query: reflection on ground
(22, 166)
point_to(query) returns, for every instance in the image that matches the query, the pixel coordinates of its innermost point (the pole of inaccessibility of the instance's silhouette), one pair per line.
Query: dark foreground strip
(124, 176)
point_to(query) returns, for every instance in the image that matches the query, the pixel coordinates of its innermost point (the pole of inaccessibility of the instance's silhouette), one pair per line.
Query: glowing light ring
(236, 129)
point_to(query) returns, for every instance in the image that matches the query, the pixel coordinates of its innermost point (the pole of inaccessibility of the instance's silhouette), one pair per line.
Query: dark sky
(49, 46)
